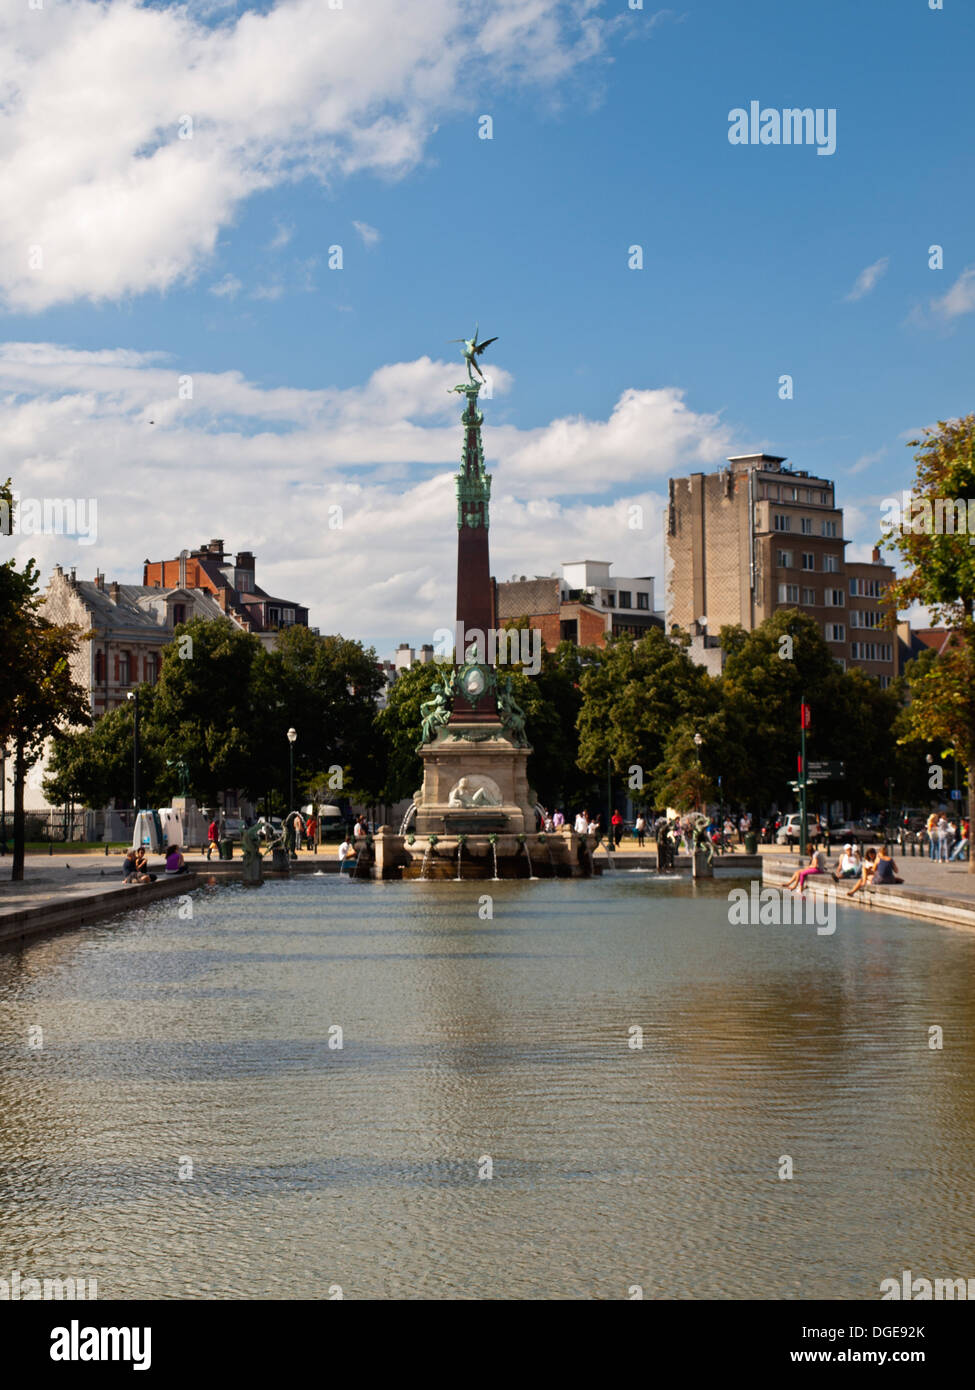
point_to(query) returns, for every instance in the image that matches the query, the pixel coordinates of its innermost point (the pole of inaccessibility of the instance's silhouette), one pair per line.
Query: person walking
(213, 836)
(616, 821)
(641, 829)
(961, 849)
(558, 820)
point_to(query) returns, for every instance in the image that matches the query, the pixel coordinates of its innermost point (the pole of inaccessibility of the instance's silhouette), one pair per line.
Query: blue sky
(610, 128)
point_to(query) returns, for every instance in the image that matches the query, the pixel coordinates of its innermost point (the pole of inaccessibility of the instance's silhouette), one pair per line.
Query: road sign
(826, 771)
(955, 794)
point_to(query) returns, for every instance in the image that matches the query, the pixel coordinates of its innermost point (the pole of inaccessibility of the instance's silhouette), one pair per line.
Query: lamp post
(133, 695)
(292, 735)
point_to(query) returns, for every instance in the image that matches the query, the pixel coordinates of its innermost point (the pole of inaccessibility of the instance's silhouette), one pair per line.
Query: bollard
(50, 847)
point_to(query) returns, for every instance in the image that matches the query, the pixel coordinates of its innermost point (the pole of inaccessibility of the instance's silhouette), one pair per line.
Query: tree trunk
(20, 777)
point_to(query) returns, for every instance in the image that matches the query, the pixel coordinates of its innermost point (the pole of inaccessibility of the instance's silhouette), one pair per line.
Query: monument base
(475, 781)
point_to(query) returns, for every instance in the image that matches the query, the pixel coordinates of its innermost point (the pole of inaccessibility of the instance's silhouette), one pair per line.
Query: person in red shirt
(213, 835)
(616, 820)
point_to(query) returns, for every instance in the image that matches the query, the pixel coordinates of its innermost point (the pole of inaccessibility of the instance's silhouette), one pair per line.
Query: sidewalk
(936, 891)
(55, 893)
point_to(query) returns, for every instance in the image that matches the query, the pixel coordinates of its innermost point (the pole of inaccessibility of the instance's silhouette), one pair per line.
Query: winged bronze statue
(472, 350)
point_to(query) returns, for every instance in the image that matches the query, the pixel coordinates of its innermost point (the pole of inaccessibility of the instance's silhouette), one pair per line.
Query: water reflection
(208, 1040)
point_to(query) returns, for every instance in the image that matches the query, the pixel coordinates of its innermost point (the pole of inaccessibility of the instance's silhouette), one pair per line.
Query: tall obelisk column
(475, 592)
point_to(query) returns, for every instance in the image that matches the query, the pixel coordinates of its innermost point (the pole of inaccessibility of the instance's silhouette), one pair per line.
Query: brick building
(129, 626)
(585, 605)
(756, 537)
(233, 584)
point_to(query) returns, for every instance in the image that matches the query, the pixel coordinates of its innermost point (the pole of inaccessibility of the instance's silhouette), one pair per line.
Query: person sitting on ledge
(849, 865)
(142, 864)
(131, 872)
(175, 863)
(346, 854)
(798, 879)
(886, 870)
(867, 870)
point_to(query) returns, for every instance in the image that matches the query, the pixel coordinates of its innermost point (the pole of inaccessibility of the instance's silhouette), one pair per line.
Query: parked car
(789, 831)
(854, 833)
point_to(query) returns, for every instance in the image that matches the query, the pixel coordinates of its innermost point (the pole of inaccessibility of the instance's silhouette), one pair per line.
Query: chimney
(114, 591)
(216, 548)
(223, 596)
(875, 557)
(99, 580)
(182, 569)
(74, 575)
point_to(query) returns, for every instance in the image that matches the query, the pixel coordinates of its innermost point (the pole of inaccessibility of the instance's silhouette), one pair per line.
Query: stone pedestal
(495, 798)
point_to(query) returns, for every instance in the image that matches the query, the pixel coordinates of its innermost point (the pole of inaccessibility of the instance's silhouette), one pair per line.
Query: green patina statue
(182, 768)
(512, 716)
(473, 350)
(435, 712)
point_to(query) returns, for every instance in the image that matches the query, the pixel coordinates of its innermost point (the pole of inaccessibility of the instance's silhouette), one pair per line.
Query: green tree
(205, 709)
(94, 765)
(325, 688)
(767, 672)
(398, 729)
(633, 693)
(941, 576)
(38, 694)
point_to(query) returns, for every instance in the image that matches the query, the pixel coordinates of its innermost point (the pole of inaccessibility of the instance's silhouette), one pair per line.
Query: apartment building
(585, 604)
(758, 536)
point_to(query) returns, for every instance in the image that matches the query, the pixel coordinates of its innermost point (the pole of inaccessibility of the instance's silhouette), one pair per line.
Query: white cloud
(960, 299)
(102, 198)
(369, 235)
(868, 279)
(262, 467)
(227, 288)
(282, 235)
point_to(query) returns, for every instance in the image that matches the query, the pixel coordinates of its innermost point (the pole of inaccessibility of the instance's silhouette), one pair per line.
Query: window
(829, 529)
(884, 682)
(287, 617)
(870, 651)
(152, 668)
(841, 662)
(834, 598)
(824, 498)
(831, 564)
(806, 526)
(866, 588)
(99, 668)
(124, 669)
(782, 523)
(643, 601)
(785, 559)
(808, 560)
(273, 617)
(609, 599)
(788, 593)
(809, 596)
(835, 632)
(179, 614)
(866, 617)
(795, 494)
(625, 598)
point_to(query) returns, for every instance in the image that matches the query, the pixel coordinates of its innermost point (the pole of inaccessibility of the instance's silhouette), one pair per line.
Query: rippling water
(166, 1040)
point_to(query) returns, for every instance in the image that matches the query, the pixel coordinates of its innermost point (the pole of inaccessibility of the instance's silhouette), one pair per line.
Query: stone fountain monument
(475, 793)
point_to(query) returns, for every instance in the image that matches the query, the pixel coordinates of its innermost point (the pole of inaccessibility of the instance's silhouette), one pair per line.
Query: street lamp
(698, 740)
(292, 735)
(133, 695)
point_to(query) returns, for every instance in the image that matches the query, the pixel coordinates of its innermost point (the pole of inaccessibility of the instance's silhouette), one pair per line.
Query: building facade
(756, 537)
(232, 582)
(586, 605)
